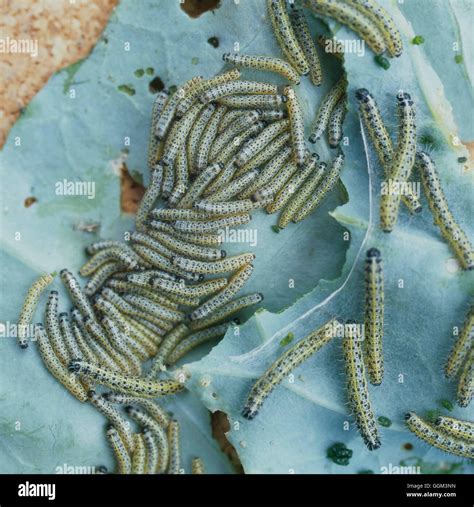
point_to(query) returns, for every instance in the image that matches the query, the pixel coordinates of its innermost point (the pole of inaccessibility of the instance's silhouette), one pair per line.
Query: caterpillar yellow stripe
(265, 63)
(296, 118)
(124, 461)
(286, 37)
(463, 430)
(302, 195)
(375, 126)
(436, 438)
(226, 311)
(305, 40)
(29, 307)
(126, 383)
(175, 448)
(328, 183)
(402, 163)
(443, 218)
(139, 456)
(465, 389)
(354, 19)
(357, 390)
(374, 316)
(55, 367)
(380, 17)
(277, 372)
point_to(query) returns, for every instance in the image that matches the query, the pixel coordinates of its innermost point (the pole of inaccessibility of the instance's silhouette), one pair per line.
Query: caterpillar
(271, 115)
(152, 452)
(264, 156)
(305, 40)
(205, 288)
(124, 462)
(438, 204)
(298, 200)
(269, 101)
(197, 467)
(295, 115)
(194, 340)
(436, 438)
(167, 115)
(174, 446)
(462, 346)
(355, 20)
(100, 276)
(375, 126)
(374, 315)
(170, 215)
(168, 181)
(197, 239)
(77, 295)
(223, 179)
(281, 368)
(146, 240)
(379, 16)
(125, 383)
(235, 87)
(294, 183)
(212, 225)
(465, 389)
(139, 456)
(169, 343)
(155, 410)
(102, 245)
(182, 177)
(463, 430)
(101, 341)
(159, 261)
(236, 186)
(357, 391)
(186, 102)
(327, 184)
(243, 122)
(111, 413)
(197, 132)
(402, 162)
(265, 63)
(52, 328)
(286, 37)
(236, 282)
(210, 268)
(276, 183)
(149, 197)
(336, 121)
(153, 142)
(120, 343)
(226, 208)
(123, 254)
(86, 352)
(190, 249)
(29, 307)
(178, 134)
(149, 307)
(147, 275)
(165, 299)
(158, 432)
(230, 117)
(200, 184)
(55, 367)
(269, 172)
(258, 143)
(239, 143)
(325, 109)
(69, 340)
(206, 140)
(227, 310)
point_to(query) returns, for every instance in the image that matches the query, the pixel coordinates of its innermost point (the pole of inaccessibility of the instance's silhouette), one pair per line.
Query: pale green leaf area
(86, 138)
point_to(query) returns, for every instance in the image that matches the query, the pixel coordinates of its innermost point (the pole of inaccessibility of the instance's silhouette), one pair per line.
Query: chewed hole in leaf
(194, 8)
(131, 192)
